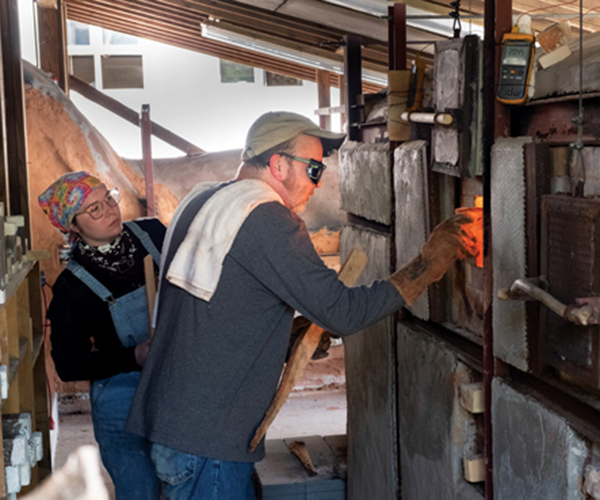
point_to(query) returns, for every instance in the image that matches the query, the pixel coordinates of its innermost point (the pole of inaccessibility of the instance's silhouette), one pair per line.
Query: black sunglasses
(314, 170)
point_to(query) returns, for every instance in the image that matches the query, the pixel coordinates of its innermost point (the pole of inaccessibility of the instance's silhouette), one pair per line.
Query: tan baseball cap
(277, 127)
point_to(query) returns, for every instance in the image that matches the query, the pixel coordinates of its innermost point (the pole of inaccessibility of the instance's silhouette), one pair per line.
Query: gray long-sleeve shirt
(214, 367)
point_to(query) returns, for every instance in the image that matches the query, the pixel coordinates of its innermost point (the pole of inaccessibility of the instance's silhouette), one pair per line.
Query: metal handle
(582, 313)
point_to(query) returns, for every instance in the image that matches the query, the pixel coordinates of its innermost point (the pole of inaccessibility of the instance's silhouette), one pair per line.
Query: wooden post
(14, 102)
(52, 41)
(323, 88)
(146, 126)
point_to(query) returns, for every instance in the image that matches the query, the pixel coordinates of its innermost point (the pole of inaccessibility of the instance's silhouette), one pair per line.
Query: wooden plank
(324, 96)
(150, 289)
(12, 320)
(324, 460)
(26, 396)
(41, 415)
(24, 317)
(304, 348)
(279, 467)
(11, 405)
(4, 338)
(472, 397)
(2, 475)
(49, 40)
(474, 469)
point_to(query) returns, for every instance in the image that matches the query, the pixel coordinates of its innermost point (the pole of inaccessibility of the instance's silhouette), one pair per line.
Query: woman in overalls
(99, 318)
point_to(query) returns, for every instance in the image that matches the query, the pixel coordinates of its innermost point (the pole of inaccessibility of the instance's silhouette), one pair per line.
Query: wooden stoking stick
(303, 349)
(150, 289)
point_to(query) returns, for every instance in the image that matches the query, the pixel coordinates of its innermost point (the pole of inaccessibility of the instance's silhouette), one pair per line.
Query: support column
(53, 43)
(323, 89)
(14, 103)
(146, 127)
(497, 20)
(353, 75)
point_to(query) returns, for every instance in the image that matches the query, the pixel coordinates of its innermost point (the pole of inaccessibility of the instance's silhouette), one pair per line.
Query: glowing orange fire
(476, 227)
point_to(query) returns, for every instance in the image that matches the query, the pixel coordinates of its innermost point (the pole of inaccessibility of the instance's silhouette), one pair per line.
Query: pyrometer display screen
(516, 54)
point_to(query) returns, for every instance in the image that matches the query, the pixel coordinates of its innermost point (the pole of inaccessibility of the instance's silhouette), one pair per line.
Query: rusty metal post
(496, 123)
(398, 37)
(146, 127)
(396, 61)
(489, 102)
(353, 77)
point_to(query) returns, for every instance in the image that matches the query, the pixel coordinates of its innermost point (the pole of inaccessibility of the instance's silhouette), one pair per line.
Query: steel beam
(352, 75)
(552, 122)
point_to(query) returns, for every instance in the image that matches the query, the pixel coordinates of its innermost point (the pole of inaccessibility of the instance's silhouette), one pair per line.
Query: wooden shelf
(13, 364)
(13, 285)
(21, 350)
(36, 348)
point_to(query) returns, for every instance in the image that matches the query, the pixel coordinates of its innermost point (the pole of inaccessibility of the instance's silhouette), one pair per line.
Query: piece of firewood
(472, 397)
(304, 348)
(150, 289)
(474, 469)
(298, 449)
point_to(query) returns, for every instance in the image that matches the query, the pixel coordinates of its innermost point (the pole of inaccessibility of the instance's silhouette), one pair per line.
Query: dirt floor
(317, 406)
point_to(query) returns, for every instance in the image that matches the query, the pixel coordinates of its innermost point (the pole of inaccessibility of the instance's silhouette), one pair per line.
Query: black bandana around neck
(117, 258)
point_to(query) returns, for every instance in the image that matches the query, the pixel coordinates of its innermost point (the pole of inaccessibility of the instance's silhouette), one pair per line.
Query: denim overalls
(126, 456)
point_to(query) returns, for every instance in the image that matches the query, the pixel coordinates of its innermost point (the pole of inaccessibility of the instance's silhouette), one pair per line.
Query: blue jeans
(125, 456)
(192, 477)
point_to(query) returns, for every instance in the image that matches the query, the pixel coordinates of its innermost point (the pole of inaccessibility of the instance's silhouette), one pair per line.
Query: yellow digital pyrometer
(515, 69)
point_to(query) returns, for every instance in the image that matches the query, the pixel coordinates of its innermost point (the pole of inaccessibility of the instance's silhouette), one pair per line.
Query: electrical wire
(537, 9)
(586, 13)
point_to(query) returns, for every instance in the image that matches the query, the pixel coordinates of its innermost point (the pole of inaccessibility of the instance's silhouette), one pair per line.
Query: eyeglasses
(96, 210)
(314, 170)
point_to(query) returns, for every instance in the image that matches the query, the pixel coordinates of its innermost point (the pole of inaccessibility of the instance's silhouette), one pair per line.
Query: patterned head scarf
(64, 198)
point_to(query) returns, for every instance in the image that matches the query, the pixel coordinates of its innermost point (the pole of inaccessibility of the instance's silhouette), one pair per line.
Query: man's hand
(453, 239)
(141, 352)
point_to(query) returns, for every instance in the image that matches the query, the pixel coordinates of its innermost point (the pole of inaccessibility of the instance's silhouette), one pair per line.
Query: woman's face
(102, 231)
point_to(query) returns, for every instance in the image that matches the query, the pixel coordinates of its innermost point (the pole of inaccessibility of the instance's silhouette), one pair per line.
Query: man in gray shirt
(238, 263)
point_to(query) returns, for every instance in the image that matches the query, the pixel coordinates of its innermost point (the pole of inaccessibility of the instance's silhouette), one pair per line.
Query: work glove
(455, 238)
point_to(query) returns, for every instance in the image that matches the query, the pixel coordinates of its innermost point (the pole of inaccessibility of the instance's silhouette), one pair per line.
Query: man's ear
(275, 166)
(74, 228)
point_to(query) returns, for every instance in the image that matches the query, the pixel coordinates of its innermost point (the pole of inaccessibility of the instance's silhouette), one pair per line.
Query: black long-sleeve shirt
(85, 344)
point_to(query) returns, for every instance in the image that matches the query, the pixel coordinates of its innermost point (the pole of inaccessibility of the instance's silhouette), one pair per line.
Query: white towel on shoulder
(197, 264)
